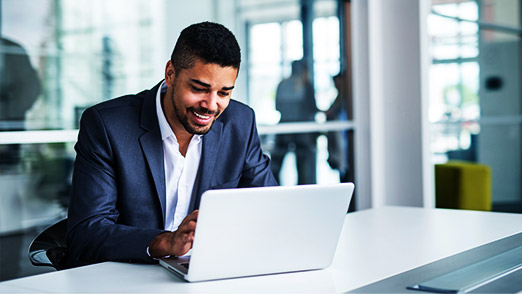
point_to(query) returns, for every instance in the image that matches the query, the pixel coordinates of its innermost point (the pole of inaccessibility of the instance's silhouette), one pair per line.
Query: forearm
(99, 240)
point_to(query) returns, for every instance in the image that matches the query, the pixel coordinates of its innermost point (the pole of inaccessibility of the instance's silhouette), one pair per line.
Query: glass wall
(475, 97)
(61, 56)
(58, 58)
(283, 89)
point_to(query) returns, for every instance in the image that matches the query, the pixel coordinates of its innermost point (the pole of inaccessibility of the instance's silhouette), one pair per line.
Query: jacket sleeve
(256, 170)
(93, 233)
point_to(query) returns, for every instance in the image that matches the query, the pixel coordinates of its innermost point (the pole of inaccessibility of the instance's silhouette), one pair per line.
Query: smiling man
(144, 160)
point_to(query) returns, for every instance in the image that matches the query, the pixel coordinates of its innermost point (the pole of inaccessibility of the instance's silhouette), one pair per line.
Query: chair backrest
(49, 247)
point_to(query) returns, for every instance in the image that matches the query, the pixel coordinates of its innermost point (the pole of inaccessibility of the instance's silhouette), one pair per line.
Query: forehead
(211, 73)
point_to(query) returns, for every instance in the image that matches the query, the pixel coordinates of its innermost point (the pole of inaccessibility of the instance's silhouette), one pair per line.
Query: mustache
(203, 110)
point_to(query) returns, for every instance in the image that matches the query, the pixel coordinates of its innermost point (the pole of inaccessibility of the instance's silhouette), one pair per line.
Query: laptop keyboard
(185, 265)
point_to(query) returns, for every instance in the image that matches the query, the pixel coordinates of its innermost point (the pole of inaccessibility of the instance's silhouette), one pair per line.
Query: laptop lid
(258, 231)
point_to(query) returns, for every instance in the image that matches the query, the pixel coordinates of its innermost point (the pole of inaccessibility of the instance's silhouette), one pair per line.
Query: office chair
(49, 247)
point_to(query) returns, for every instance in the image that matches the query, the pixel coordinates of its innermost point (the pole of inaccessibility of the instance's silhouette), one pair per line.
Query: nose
(210, 102)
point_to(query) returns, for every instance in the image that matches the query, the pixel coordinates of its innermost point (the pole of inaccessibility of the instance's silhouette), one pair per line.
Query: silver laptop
(259, 231)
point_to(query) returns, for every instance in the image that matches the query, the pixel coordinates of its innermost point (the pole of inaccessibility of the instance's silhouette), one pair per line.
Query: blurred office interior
(419, 85)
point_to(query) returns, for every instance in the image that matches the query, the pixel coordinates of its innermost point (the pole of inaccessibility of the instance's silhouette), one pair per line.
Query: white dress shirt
(180, 171)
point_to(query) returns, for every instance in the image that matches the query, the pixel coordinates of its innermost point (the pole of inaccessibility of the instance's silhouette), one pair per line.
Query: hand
(175, 243)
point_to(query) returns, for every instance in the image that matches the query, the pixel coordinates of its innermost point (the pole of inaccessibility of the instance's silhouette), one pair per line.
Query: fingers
(183, 244)
(193, 216)
(184, 235)
(189, 223)
(175, 243)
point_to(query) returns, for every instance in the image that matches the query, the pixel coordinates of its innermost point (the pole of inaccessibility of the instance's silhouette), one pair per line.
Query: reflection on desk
(375, 244)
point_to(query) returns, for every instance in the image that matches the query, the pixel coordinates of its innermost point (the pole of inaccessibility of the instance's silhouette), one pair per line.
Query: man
(144, 160)
(296, 103)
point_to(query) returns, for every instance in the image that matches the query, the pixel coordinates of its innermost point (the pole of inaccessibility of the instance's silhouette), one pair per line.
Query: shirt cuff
(155, 258)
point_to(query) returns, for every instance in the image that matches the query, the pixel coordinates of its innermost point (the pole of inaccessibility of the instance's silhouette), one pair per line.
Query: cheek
(186, 99)
(223, 105)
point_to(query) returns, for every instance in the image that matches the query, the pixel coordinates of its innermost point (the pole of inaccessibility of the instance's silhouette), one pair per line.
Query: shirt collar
(165, 129)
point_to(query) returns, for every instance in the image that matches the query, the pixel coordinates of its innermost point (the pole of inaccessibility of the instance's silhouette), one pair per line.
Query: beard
(193, 128)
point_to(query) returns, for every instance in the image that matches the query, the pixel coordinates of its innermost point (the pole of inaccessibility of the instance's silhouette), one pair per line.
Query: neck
(182, 136)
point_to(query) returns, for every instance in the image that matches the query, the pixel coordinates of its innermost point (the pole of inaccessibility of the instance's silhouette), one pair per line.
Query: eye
(223, 94)
(197, 89)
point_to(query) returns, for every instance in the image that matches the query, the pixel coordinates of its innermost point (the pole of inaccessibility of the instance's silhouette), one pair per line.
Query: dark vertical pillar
(307, 18)
(341, 15)
(344, 15)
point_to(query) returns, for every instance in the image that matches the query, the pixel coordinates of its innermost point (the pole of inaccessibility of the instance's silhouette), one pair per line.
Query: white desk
(375, 244)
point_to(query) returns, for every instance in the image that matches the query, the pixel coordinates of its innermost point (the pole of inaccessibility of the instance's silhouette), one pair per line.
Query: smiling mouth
(201, 116)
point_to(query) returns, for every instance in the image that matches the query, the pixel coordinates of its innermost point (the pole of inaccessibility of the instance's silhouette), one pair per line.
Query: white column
(395, 108)
(361, 104)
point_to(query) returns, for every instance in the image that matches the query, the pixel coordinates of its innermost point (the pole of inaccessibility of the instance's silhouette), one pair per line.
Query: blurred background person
(296, 103)
(19, 89)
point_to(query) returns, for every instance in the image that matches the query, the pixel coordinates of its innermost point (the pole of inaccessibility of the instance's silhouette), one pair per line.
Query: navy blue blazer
(118, 198)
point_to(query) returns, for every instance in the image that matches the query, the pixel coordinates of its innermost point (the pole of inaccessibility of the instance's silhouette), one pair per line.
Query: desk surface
(375, 244)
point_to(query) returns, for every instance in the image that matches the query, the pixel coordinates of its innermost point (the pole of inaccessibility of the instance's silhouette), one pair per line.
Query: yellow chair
(463, 185)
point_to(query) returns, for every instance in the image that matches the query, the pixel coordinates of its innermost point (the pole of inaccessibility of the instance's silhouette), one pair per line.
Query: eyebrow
(208, 85)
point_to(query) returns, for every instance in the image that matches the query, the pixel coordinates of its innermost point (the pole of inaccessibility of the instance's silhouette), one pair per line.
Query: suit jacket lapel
(209, 153)
(152, 145)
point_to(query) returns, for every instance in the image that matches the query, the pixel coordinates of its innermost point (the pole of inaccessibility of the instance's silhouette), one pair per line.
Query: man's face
(197, 95)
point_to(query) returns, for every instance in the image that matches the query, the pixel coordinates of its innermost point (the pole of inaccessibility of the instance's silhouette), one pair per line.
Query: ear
(170, 74)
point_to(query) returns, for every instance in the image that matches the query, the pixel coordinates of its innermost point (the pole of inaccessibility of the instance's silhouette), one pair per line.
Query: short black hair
(208, 41)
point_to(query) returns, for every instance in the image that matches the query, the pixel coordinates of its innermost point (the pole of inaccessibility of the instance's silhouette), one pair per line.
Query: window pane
(79, 55)
(452, 38)
(265, 70)
(326, 59)
(475, 95)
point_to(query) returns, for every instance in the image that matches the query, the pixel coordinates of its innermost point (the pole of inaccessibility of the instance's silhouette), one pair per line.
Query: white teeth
(201, 116)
